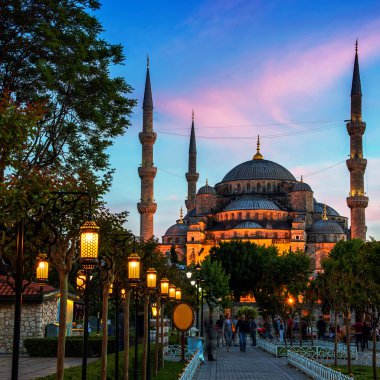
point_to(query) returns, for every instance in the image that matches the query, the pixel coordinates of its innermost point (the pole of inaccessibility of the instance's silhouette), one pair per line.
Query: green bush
(248, 311)
(74, 346)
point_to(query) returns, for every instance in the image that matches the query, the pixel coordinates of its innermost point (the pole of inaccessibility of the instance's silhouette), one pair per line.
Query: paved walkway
(253, 364)
(31, 368)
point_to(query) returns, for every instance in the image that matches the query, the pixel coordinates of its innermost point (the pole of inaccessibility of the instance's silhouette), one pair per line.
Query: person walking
(227, 331)
(321, 327)
(219, 331)
(234, 332)
(253, 330)
(366, 335)
(358, 328)
(242, 326)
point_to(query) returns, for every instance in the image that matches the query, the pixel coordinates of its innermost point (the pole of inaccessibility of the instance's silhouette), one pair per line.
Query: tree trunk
(63, 286)
(335, 338)
(106, 289)
(374, 367)
(156, 350)
(145, 337)
(348, 345)
(162, 337)
(300, 328)
(127, 303)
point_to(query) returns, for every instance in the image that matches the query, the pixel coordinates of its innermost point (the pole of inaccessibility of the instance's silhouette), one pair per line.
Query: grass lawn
(169, 372)
(361, 372)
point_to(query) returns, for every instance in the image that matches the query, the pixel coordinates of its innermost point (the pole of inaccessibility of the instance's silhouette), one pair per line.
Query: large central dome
(258, 169)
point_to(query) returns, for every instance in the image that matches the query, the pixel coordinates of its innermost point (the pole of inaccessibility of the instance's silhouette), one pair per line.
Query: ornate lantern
(178, 294)
(172, 292)
(164, 287)
(42, 272)
(154, 310)
(134, 269)
(89, 240)
(151, 279)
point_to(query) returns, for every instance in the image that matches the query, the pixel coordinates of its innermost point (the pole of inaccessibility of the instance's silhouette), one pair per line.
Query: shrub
(74, 346)
(248, 311)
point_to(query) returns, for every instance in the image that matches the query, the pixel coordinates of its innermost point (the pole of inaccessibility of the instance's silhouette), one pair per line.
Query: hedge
(73, 348)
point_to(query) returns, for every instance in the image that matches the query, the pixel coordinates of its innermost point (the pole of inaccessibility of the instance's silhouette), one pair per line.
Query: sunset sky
(281, 69)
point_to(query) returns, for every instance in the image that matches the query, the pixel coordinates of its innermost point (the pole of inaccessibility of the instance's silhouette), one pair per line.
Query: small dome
(206, 190)
(251, 203)
(318, 207)
(326, 227)
(301, 186)
(179, 229)
(248, 224)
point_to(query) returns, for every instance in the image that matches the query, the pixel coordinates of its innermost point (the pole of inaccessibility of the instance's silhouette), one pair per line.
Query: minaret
(192, 175)
(356, 164)
(147, 171)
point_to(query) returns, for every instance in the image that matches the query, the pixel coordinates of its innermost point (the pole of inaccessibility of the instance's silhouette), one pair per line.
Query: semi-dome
(318, 207)
(301, 186)
(178, 229)
(248, 224)
(206, 190)
(251, 203)
(258, 169)
(326, 227)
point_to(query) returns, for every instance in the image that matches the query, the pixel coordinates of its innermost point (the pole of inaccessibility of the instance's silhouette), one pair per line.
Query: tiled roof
(32, 289)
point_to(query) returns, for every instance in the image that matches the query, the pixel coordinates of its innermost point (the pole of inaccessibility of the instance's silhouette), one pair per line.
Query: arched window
(232, 216)
(258, 187)
(248, 187)
(247, 215)
(238, 188)
(246, 234)
(257, 234)
(222, 235)
(269, 187)
(256, 215)
(230, 188)
(235, 234)
(275, 235)
(240, 215)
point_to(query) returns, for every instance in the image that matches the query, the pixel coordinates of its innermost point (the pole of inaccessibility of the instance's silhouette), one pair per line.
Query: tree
(342, 264)
(53, 59)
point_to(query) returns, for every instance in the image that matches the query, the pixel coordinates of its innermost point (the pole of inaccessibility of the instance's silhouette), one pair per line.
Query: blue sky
(281, 69)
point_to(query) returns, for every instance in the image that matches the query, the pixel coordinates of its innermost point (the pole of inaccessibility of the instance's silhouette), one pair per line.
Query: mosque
(258, 200)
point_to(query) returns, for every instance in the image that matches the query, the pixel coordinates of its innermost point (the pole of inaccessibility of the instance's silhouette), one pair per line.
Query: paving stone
(253, 364)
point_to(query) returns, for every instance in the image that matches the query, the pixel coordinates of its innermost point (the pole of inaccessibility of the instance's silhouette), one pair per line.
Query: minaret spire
(147, 207)
(356, 164)
(324, 215)
(258, 155)
(192, 175)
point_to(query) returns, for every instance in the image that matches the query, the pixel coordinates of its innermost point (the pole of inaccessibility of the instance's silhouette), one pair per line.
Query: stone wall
(34, 318)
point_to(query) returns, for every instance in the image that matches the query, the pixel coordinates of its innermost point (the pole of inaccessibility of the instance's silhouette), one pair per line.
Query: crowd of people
(234, 331)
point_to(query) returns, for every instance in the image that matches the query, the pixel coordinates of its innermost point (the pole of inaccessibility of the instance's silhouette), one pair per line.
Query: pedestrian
(358, 332)
(242, 326)
(219, 331)
(366, 334)
(227, 331)
(234, 332)
(281, 330)
(253, 329)
(321, 327)
(277, 328)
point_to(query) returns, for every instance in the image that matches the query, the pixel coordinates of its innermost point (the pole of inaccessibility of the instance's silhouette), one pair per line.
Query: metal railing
(313, 369)
(191, 368)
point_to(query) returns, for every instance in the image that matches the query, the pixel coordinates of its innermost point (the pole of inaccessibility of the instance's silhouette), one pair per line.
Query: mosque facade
(261, 201)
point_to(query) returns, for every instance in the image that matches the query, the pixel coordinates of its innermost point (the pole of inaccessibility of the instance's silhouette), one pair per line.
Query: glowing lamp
(164, 287)
(111, 289)
(89, 240)
(81, 281)
(123, 292)
(192, 282)
(134, 269)
(188, 274)
(290, 301)
(172, 289)
(151, 279)
(178, 294)
(154, 310)
(42, 272)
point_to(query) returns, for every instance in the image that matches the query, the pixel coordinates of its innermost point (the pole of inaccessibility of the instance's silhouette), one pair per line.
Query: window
(247, 215)
(258, 187)
(297, 237)
(269, 187)
(246, 234)
(232, 216)
(235, 234)
(238, 188)
(240, 215)
(222, 235)
(248, 187)
(192, 238)
(256, 215)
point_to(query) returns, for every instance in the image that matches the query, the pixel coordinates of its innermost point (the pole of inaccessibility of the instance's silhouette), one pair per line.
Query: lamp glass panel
(89, 240)
(42, 270)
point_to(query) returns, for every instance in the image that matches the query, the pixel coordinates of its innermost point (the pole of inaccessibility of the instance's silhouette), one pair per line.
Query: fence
(314, 369)
(191, 368)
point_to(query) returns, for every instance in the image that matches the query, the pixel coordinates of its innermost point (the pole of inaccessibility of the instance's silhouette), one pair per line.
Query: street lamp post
(202, 322)
(134, 280)
(151, 283)
(89, 239)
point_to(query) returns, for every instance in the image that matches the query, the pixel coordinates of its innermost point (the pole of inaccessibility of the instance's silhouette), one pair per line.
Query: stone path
(253, 364)
(31, 368)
